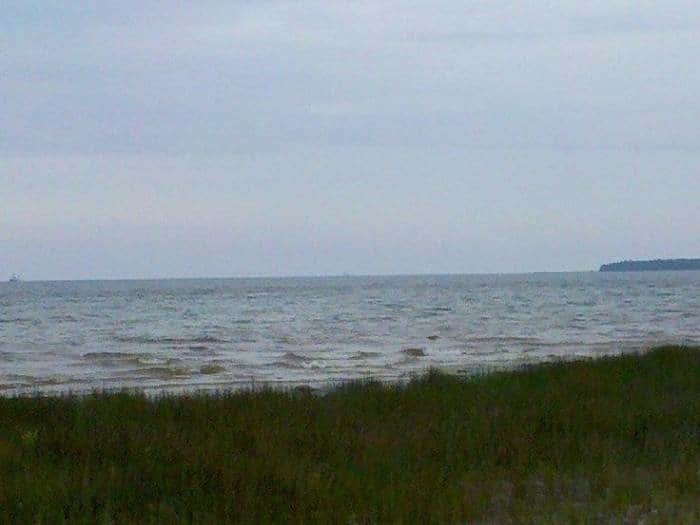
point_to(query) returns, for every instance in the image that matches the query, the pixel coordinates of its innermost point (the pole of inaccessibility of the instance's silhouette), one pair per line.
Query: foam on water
(183, 335)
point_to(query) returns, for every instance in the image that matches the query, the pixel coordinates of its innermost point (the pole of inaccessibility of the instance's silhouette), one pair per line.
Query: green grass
(614, 440)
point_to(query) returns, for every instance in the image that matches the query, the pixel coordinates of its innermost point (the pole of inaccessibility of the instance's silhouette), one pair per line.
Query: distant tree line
(656, 265)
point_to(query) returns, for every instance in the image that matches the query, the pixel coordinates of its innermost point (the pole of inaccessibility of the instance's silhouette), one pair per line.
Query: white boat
(15, 278)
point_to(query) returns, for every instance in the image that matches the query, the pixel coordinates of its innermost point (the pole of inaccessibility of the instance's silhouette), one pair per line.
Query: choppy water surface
(180, 334)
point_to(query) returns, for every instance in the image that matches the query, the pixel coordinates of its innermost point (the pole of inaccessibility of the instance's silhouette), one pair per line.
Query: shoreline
(321, 386)
(608, 439)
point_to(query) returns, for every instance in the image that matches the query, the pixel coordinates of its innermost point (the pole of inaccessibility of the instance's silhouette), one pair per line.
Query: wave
(110, 355)
(148, 340)
(211, 368)
(163, 372)
(17, 320)
(64, 318)
(30, 381)
(130, 359)
(502, 339)
(414, 352)
(364, 355)
(291, 356)
(284, 364)
(435, 312)
(381, 318)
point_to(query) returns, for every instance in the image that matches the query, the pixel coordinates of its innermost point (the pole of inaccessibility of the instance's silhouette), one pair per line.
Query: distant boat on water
(15, 278)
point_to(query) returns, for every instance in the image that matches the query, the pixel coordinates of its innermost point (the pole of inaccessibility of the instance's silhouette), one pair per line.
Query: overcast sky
(156, 139)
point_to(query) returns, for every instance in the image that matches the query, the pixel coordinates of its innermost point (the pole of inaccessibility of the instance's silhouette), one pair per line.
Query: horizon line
(296, 276)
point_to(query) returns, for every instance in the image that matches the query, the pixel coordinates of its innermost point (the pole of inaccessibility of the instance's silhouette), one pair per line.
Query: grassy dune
(611, 440)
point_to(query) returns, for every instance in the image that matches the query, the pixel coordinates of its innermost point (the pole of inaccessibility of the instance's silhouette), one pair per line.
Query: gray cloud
(311, 137)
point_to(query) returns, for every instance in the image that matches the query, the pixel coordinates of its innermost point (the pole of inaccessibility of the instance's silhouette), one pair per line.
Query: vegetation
(657, 265)
(613, 440)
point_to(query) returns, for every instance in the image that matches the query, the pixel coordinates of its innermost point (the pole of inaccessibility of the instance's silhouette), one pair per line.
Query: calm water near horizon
(228, 333)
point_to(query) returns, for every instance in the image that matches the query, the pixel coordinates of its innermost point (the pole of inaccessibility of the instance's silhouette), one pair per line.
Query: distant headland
(657, 265)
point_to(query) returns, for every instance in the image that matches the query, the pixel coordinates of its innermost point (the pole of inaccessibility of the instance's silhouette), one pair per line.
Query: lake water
(199, 334)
